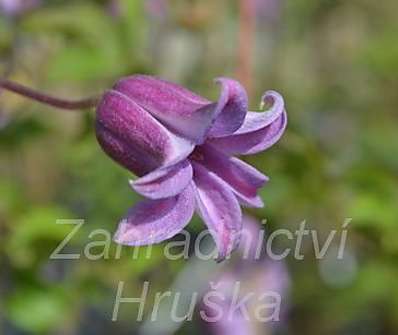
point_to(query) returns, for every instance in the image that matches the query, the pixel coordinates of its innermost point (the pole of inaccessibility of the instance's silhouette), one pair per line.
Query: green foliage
(31, 230)
(336, 64)
(46, 309)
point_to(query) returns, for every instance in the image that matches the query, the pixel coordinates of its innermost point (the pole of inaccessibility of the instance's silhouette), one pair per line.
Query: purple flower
(181, 147)
(268, 10)
(157, 8)
(114, 8)
(16, 7)
(267, 278)
(256, 277)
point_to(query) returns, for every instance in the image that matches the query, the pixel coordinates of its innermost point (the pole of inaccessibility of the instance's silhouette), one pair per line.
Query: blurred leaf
(19, 131)
(381, 54)
(91, 47)
(33, 228)
(11, 197)
(381, 142)
(370, 209)
(37, 310)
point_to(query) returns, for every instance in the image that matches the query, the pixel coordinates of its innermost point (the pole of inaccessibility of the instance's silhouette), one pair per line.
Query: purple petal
(228, 321)
(251, 242)
(243, 179)
(134, 138)
(237, 324)
(231, 108)
(179, 109)
(252, 142)
(259, 131)
(164, 182)
(231, 324)
(153, 221)
(256, 121)
(17, 7)
(219, 209)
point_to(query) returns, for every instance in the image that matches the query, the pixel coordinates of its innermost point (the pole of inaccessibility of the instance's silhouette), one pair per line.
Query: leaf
(37, 310)
(31, 230)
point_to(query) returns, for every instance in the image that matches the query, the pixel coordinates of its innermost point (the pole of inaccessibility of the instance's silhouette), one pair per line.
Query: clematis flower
(256, 276)
(181, 147)
(17, 7)
(265, 278)
(157, 8)
(268, 11)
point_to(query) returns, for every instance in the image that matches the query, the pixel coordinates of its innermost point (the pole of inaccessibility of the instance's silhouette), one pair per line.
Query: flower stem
(47, 99)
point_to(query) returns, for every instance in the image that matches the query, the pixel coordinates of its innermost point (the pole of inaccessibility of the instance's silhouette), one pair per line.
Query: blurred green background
(336, 64)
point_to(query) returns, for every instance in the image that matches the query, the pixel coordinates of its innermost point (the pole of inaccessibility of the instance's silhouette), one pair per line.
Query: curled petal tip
(259, 132)
(273, 98)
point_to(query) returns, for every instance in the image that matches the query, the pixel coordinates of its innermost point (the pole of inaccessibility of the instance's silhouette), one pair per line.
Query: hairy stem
(47, 99)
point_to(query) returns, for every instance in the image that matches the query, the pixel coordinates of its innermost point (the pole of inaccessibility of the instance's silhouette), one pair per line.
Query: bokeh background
(336, 64)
